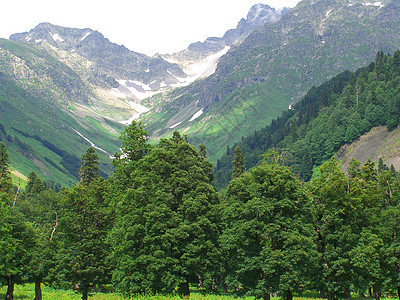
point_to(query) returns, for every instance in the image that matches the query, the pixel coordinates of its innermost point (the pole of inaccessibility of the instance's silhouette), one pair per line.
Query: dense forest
(337, 112)
(158, 225)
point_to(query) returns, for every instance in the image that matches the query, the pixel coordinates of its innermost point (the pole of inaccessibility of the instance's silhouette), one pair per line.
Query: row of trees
(158, 225)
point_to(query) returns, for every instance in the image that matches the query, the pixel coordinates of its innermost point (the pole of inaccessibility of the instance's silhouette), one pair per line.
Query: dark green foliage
(72, 164)
(163, 229)
(89, 170)
(83, 225)
(166, 229)
(39, 208)
(134, 142)
(5, 175)
(16, 241)
(35, 184)
(202, 151)
(237, 163)
(267, 233)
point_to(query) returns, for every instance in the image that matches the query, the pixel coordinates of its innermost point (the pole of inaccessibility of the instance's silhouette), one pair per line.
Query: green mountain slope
(39, 121)
(274, 67)
(329, 116)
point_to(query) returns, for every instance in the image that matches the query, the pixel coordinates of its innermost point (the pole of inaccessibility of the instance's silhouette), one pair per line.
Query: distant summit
(258, 15)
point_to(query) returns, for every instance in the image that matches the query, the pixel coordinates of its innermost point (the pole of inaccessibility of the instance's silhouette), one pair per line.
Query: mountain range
(64, 87)
(274, 67)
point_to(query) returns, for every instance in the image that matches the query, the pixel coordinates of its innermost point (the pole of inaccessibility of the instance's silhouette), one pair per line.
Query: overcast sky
(145, 26)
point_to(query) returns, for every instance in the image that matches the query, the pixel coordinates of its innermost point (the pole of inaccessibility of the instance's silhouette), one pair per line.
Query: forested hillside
(158, 225)
(337, 112)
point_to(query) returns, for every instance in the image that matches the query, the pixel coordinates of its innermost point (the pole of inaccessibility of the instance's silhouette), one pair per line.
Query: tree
(396, 63)
(330, 210)
(89, 170)
(39, 208)
(238, 163)
(165, 233)
(83, 225)
(203, 151)
(352, 133)
(5, 174)
(16, 241)
(267, 232)
(134, 142)
(35, 184)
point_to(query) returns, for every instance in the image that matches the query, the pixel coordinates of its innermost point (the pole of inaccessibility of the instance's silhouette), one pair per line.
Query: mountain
(111, 65)
(353, 115)
(258, 15)
(274, 67)
(43, 130)
(63, 89)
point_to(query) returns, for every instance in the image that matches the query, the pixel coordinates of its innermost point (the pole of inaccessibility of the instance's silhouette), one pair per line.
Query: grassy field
(27, 291)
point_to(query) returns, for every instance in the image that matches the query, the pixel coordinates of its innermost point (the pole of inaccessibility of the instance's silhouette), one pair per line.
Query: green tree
(84, 221)
(39, 208)
(352, 133)
(203, 151)
(165, 233)
(16, 241)
(238, 163)
(267, 232)
(5, 174)
(89, 170)
(134, 142)
(35, 184)
(331, 208)
(396, 63)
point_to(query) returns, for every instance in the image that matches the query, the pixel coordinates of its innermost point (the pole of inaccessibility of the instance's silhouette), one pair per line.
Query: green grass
(27, 291)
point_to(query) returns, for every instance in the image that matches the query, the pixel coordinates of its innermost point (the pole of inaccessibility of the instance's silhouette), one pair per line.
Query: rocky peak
(61, 37)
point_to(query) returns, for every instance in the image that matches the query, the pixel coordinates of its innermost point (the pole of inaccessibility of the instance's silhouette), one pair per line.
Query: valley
(260, 164)
(215, 92)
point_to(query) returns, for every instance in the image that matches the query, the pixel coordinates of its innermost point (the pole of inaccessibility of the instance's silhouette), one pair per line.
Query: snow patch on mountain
(56, 37)
(133, 88)
(196, 115)
(85, 36)
(140, 109)
(91, 143)
(376, 4)
(175, 125)
(204, 68)
(139, 90)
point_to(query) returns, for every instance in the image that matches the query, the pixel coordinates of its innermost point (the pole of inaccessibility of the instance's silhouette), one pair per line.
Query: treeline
(337, 112)
(158, 225)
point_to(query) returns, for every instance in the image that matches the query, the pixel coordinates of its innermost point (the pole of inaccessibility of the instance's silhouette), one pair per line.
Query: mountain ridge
(311, 43)
(84, 88)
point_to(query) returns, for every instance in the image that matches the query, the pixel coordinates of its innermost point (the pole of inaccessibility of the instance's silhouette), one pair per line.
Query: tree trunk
(266, 296)
(184, 289)
(225, 287)
(375, 291)
(38, 290)
(398, 292)
(10, 289)
(288, 295)
(348, 294)
(331, 296)
(85, 294)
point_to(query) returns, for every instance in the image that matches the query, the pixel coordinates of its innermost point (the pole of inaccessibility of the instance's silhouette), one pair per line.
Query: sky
(145, 26)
